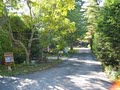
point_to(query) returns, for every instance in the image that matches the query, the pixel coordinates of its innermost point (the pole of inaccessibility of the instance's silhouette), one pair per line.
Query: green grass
(111, 73)
(24, 69)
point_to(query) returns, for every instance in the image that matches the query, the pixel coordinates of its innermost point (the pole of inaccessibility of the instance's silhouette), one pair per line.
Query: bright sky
(87, 2)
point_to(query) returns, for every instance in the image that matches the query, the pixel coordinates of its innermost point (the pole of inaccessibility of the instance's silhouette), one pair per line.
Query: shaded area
(79, 72)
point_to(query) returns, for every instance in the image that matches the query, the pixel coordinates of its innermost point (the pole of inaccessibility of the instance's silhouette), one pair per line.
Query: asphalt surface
(81, 71)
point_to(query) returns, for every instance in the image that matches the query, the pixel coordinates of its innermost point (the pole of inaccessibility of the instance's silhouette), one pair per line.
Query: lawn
(24, 69)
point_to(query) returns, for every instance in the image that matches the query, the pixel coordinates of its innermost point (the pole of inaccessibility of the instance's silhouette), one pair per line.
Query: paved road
(79, 72)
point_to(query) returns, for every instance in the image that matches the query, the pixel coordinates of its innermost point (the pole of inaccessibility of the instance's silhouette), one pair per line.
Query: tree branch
(35, 39)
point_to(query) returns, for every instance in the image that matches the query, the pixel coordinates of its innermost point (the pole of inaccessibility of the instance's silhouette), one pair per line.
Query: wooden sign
(9, 60)
(9, 57)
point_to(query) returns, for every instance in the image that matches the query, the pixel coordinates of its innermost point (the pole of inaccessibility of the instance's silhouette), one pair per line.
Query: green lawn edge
(21, 69)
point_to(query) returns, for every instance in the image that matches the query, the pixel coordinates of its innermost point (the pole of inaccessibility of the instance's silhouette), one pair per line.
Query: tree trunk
(42, 55)
(91, 43)
(27, 57)
(48, 49)
(58, 56)
(71, 47)
(28, 51)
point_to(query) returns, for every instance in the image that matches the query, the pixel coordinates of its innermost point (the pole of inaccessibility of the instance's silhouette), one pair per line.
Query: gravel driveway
(79, 72)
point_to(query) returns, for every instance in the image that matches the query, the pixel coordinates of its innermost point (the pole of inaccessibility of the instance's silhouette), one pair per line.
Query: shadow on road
(79, 72)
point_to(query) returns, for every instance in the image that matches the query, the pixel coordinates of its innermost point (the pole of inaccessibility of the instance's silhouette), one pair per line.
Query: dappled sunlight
(85, 61)
(26, 82)
(82, 50)
(91, 62)
(16, 83)
(77, 80)
(72, 59)
(55, 88)
(4, 79)
(88, 82)
(79, 72)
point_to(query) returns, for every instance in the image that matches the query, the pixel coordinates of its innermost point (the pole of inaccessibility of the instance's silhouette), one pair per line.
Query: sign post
(9, 60)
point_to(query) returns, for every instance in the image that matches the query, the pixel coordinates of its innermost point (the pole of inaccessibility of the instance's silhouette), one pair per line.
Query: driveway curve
(81, 71)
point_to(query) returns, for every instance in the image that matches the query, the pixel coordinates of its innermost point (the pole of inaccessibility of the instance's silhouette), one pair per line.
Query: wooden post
(9, 60)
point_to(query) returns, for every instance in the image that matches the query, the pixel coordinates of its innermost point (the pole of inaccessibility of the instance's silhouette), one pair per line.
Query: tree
(32, 27)
(77, 16)
(92, 14)
(55, 24)
(5, 41)
(43, 19)
(107, 32)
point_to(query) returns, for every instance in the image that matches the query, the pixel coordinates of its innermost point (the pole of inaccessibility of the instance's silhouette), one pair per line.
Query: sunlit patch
(6, 79)
(58, 88)
(55, 87)
(83, 50)
(86, 82)
(1, 76)
(51, 87)
(27, 82)
(73, 59)
(91, 62)
(77, 79)
(85, 61)
(23, 83)
(14, 78)
(3, 82)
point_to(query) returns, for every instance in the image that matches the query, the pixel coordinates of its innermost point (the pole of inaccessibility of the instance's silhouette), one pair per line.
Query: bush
(106, 41)
(5, 44)
(19, 55)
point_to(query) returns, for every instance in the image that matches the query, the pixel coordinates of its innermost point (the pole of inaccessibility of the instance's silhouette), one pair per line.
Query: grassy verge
(24, 69)
(112, 74)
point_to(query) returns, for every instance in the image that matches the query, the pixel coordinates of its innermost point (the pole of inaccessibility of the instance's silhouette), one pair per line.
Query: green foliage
(1, 8)
(18, 29)
(55, 26)
(19, 55)
(17, 24)
(25, 68)
(113, 74)
(107, 38)
(111, 2)
(46, 21)
(5, 44)
(77, 16)
(92, 14)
